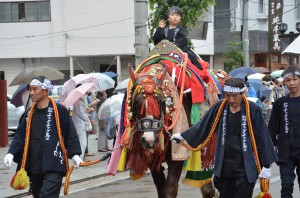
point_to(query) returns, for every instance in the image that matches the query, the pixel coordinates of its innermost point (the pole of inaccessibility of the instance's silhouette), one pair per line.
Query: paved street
(92, 182)
(146, 189)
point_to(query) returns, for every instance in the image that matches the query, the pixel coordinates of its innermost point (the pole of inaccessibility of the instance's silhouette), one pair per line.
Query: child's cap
(176, 10)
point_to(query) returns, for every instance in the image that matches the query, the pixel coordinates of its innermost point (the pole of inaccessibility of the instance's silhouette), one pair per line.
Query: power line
(92, 26)
(101, 37)
(246, 29)
(67, 31)
(266, 3)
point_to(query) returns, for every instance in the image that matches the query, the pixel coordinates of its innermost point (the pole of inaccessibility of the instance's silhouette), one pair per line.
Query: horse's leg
(174, 172)
(208, 190)
(159, 180)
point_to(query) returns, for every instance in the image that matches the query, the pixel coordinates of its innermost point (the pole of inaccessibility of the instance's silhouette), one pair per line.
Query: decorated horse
(166, 94)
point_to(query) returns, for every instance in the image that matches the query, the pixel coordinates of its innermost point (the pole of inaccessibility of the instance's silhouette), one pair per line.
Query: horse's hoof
(208, 190)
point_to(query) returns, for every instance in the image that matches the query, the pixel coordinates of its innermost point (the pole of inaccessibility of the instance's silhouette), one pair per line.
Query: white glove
(265, 173)
(77, 160)
(8, 160)
(177, 138)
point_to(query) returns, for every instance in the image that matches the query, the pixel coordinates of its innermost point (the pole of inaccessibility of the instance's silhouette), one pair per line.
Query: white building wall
(289, 16)
(92, 31)
(77, 28)
(34, 39)
(109, 27)
(205, 47)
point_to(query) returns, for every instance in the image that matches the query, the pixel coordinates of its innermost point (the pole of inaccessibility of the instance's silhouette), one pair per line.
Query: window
(261, 6)
(297, 10)
(43, 11)
(30, 11)
(200, 32)
(5, 12)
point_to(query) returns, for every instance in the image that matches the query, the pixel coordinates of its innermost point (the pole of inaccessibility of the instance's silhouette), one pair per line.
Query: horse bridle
(148, 86)
(148, 124)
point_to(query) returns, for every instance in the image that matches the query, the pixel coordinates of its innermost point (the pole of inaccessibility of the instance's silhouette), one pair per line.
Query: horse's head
(148, 104)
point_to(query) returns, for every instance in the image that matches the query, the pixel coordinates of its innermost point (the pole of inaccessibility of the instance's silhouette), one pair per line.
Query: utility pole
(245, 33)
(3, 116)
(140, 26)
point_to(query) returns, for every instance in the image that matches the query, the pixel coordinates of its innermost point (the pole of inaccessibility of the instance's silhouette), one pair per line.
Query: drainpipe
(71, 67)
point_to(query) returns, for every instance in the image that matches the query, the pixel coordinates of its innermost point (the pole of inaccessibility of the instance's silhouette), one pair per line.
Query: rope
(264, 183)
(213, 129)
(82, 164)
(28, 128)
(181, 93)
(57, 122)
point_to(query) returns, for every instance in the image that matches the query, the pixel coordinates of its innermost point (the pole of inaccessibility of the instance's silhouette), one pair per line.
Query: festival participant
(51, 139)
(102, 139)
(235, 167)
(285, 131)
(175, 33)
(81, 120)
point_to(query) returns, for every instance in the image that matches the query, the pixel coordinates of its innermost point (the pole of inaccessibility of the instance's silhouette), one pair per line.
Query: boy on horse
(175, 33)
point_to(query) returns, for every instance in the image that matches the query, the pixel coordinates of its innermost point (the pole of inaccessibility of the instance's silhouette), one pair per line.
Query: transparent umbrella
(122, 86)
(111, 107)
(104, 82)
(26, 76)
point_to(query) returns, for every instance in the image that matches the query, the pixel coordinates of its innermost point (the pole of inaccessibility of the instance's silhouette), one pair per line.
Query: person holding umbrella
(81, 120)
(43, 142)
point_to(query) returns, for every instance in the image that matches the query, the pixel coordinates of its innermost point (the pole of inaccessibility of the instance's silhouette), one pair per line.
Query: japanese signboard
(275, 18)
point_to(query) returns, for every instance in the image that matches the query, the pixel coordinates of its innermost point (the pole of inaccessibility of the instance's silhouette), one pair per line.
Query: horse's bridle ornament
(152, 85)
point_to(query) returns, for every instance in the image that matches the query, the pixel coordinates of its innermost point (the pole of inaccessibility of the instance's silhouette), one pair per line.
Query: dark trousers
(234, 187)
(287, 176)
(194, 59)
(46, 185)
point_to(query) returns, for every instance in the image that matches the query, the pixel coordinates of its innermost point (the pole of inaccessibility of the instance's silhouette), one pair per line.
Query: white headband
(46, 85)
(290, 74)
(234, 89)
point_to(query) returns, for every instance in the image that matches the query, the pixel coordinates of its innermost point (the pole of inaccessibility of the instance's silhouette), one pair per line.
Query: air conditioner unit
(262, 17)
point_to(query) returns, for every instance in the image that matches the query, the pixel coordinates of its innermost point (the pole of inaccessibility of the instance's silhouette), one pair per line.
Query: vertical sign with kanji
(275, 18)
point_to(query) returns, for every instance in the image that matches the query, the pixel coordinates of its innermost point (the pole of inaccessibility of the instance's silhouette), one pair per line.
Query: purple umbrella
(17, 96)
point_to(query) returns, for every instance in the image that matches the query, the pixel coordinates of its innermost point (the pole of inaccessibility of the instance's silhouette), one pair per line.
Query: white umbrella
(105, 82)
(293, 48)
(111, 107)
(256, 76)
(122, 86)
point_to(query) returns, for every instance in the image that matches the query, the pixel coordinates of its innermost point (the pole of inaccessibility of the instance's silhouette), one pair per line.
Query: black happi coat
(176, 36)
(52, 153)
(199, 132)
(281, 127)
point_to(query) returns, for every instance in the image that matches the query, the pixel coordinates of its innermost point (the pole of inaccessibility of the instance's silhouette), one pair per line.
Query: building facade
(248, 21)
(74, 36)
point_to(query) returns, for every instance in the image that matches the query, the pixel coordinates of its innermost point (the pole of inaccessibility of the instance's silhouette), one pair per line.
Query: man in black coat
(45, 162)
(235, 170)
(284, 127)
